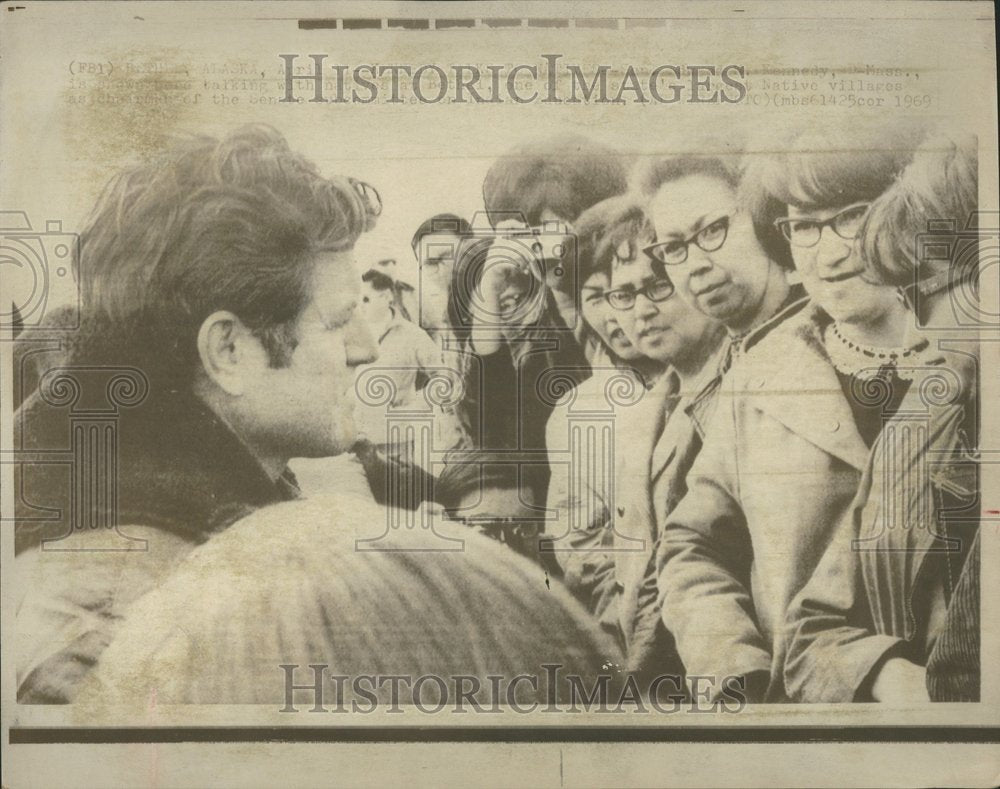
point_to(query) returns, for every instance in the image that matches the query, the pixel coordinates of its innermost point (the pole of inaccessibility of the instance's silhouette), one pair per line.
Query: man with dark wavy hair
(218, 278)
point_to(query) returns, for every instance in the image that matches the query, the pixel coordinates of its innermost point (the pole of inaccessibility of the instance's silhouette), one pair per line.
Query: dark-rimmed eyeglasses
(804, 231)
(624, 299)
(709, 239)
(513, 531)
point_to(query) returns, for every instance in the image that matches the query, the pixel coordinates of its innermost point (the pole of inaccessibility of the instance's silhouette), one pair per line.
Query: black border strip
(32, 735)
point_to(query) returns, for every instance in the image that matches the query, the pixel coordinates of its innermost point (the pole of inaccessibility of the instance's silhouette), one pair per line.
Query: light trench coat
(779, 467)
(607, 517)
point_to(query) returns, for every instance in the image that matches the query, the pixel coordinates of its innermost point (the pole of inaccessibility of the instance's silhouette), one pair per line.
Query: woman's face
(831, 272)
(601, 318)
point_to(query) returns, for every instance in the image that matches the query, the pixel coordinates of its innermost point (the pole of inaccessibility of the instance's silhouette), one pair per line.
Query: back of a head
(290, 585)
(565, 174)
(938, 189)
(213, 224)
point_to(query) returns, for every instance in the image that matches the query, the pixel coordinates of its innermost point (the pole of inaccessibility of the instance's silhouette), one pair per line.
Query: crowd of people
(692, 417)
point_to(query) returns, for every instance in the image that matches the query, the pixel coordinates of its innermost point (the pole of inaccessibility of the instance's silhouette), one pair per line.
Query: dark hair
(940, 185)
(470, 261)
(601, 229)
(441, 223)
(825, 168)
(470, 471)
(378, 280)
(566, 174)
(232, 224)
(673, 168)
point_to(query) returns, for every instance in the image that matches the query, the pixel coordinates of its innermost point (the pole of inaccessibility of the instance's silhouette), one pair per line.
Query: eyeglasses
(369, 194)
(517, 532)
(708, 239)
(806, 232)
(624, 299)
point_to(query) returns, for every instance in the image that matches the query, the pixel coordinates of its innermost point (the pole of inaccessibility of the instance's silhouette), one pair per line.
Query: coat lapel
(800, 389)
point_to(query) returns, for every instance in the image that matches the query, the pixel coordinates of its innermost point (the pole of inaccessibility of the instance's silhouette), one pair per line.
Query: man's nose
(361, 345)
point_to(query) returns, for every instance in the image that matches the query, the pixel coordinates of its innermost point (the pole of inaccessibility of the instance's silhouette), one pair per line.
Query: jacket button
(621, 512)
(834, 425)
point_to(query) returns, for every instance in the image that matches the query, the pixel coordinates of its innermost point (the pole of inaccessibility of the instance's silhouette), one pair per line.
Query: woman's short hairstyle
(729, 170)
(939, 188)
(566, 174)
(211, 224)
(823, 168)
(602, 229)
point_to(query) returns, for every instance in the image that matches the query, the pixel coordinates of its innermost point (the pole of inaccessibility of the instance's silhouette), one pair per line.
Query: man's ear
(227, 350)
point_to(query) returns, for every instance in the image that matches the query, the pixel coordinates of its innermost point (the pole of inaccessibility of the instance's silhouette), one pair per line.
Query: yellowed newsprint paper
(499, 394)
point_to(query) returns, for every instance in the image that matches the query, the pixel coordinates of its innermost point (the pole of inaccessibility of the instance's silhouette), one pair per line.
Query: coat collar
(178, 468)
(793, 381)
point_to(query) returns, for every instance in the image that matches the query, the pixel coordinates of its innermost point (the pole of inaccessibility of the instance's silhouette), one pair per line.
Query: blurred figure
(435, 245)
(287, 586)
(406, 352)
(892, 611)
(790, 433)
(219, 277)
(377, 253)
(409, 360)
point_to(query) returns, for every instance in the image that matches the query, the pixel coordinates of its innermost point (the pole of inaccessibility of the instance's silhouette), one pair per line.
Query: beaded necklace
(867, 361)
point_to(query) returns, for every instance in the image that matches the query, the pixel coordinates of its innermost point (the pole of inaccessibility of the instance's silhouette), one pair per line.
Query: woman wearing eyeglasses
(785, 448)
(892, 612)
